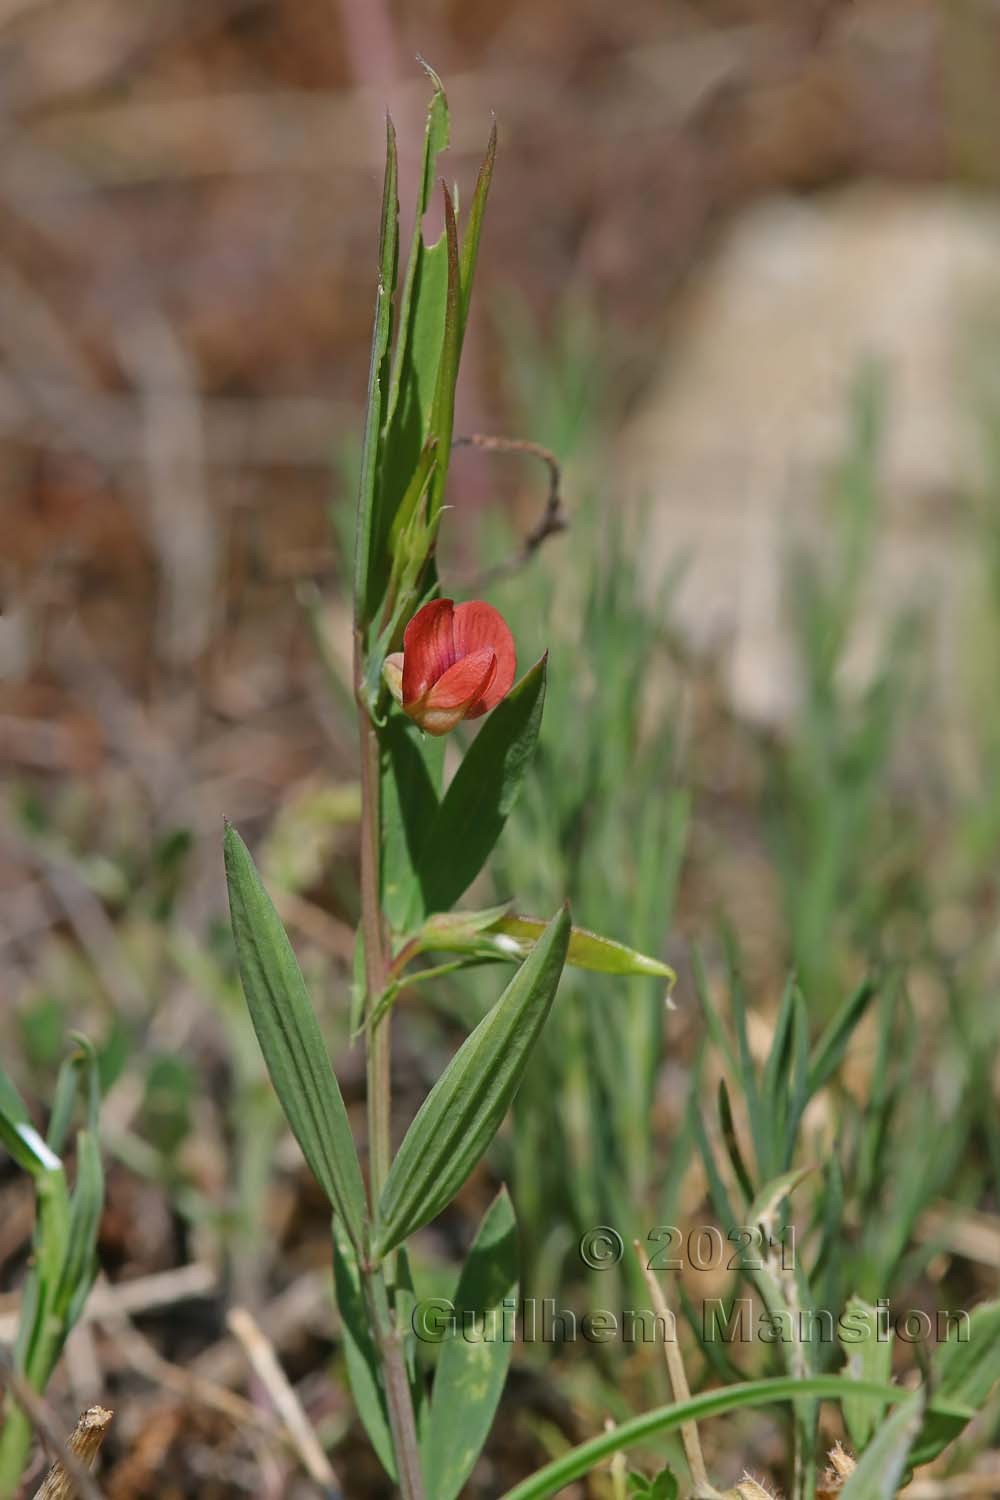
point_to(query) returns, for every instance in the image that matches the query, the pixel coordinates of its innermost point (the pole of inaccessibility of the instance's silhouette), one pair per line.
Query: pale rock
(735, 441)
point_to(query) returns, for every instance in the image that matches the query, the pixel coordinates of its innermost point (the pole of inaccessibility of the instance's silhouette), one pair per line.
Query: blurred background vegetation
(738, 273)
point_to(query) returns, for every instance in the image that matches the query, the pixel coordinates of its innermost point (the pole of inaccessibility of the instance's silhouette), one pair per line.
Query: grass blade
(964, 1370)
(829, 1051)
(652, 1424)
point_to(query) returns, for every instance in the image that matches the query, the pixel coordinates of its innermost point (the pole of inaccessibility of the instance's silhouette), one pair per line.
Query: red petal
(449, 699)
(428, 649)
(477, 624)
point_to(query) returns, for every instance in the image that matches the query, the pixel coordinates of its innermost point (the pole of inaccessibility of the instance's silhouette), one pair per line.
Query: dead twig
(260, 1353)
(85, 1445)
(552, 520)
(71, 1459)
(678, 1380)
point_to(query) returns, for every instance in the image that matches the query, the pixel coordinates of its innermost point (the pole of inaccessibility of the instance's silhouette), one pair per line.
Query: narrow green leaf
(443, 410)
(409, 507)
(291, 1040)
(366, 525)
(436, 136)
(412, 768)
(462, 1113)
(470, 240)
(63, 1102)
(773, 1193)
(728, 1127)
(19, 1137)
(13, 1110)
(798, 1091)
(829, 1050)
(416, 369)
(713, 1021)
(883, 1463)
(28, 1149)
(52, 1246)
(760, 1121)
(563, 1470)
(964, 1370)
(363, 1368)
(80, 1265)
(483, 790)
(716, 1186)
(774, 1083)
(867, 1357)
(473, 1362)
(359, 986)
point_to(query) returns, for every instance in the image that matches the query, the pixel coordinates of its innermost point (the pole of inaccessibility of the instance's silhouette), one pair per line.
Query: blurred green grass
(631, 1115)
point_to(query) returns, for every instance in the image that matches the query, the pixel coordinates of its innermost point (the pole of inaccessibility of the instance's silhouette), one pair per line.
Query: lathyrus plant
(64, 1259)
(422, 665)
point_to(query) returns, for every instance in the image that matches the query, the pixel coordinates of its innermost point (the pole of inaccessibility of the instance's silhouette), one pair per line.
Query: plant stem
(376, 963)
(15, 1444)
(399, 1399)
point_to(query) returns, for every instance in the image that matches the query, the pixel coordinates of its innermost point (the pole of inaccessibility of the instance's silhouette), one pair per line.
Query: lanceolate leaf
(868, 1357)
(965, 1370)
(291, 1040)
(473, 1362)
(483, 790)
(443, 410)
(411, 307)
(412, 766)
(465, 1108)
(360, 1356)
(368, 526)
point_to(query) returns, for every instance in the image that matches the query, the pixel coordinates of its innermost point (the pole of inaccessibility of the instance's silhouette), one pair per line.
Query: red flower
(457, 662)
